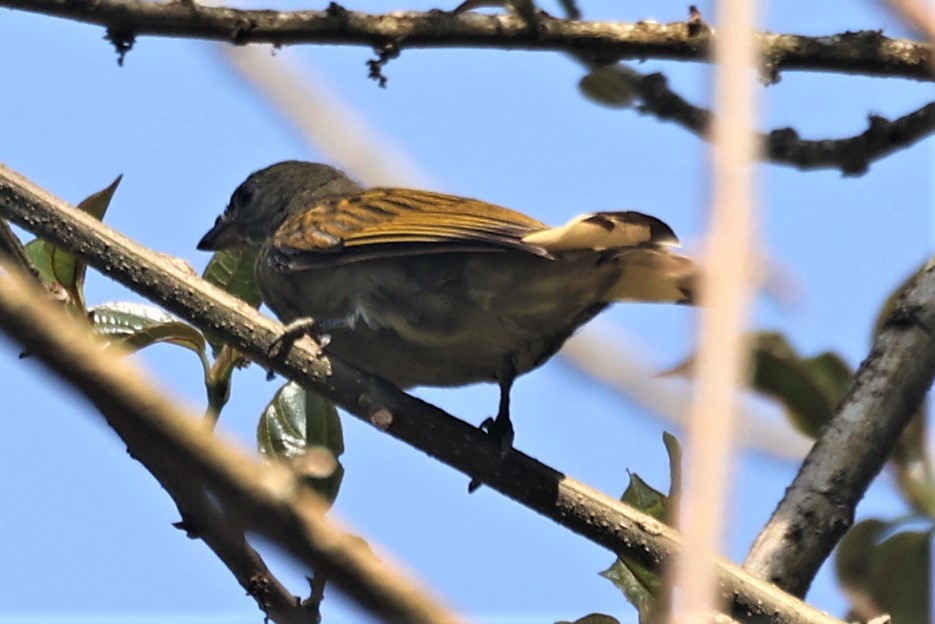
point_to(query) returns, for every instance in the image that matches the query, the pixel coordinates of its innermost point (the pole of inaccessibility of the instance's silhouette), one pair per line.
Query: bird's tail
(638, 243)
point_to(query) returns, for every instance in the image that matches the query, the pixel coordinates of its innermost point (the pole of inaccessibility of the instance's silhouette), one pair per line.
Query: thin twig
(178, 445)
(865, 52)
(579, 508)
(851, 155)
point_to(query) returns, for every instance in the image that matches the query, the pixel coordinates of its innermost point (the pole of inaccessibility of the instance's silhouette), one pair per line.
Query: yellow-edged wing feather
(381, 221)
(384, 222)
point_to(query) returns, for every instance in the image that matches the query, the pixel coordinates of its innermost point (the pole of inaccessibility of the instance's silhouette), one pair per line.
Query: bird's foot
(500, 429)
(294, 330)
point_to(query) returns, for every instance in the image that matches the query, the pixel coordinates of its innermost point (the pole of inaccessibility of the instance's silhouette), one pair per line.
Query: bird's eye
(242, 196)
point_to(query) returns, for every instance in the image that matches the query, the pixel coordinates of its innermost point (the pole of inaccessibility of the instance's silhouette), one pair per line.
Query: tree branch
(179, 446)
(574, 505)
(865, 52)
(203, 519)
(852, 155)
(886, 392)
(12, 249)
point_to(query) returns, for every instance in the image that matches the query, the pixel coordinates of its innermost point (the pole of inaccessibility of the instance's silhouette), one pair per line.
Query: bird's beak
(221, 236)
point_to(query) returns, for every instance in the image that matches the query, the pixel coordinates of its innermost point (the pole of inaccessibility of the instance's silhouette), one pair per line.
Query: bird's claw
(500, 429)
(290, 333)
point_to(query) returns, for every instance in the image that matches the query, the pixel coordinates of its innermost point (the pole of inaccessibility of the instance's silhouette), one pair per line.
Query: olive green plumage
(423, 288)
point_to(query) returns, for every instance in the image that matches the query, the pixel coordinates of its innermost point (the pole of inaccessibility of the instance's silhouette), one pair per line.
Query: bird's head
(264, 200)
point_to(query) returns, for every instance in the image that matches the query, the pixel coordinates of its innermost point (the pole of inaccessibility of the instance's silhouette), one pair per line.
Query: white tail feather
(603, 230)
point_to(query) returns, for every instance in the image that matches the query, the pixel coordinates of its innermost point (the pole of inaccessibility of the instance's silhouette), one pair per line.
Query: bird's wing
(381, 222)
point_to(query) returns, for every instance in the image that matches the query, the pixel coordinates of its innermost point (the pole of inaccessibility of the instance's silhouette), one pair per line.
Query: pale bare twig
(919, 14)
(726, 294)
(324, 120)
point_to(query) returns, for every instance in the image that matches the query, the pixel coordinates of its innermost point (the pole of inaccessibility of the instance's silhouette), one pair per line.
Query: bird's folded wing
(395, 222)
(382, 222)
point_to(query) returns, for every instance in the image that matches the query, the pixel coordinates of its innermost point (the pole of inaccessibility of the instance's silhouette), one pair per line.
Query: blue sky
(86, 531)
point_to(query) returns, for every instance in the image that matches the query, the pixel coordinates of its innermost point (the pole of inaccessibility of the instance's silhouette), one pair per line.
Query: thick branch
(180, 447)
(851, 155)
(867, 52)
(887, 391)
(579, 508)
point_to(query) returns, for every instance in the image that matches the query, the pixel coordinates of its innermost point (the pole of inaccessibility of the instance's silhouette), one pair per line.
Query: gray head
(264, 200)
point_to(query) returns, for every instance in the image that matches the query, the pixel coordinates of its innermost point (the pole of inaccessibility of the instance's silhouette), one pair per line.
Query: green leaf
(137, 326)
(234, 271)
(639, 585)
(59, 268)
(643, 587)
(674, 450)
(609, 85)
(303, 429)
(883, 571)
(809, 389)
(640, 495)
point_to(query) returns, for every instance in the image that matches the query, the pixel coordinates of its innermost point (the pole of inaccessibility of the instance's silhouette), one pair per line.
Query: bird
(428, 289)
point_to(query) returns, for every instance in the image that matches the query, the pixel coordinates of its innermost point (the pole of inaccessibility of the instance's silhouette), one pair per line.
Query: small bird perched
(422, 288)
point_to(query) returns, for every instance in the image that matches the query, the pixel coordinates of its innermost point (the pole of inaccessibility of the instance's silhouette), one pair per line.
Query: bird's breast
(441, 319)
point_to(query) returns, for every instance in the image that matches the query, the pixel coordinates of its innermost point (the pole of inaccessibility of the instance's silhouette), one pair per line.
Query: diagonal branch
(886, 392)
(852, 155)
(203, 519)
(11, 248)
(179, 447)
(574, 505)
(864, 52)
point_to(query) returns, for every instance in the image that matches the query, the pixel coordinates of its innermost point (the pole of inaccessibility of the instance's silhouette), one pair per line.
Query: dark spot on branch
(122, 39)
(769, 73)
(189, 525)
(336, 10)
(386, 51)
(258, 588)
(696, 24)
(240, 35)
(905, 317)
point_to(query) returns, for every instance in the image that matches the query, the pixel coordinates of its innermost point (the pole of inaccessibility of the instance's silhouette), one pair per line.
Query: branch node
(189, 525)
(336, 11)
(258, 588)
(240, 35)
(386, 51)
(122, 38)
(696, 24)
